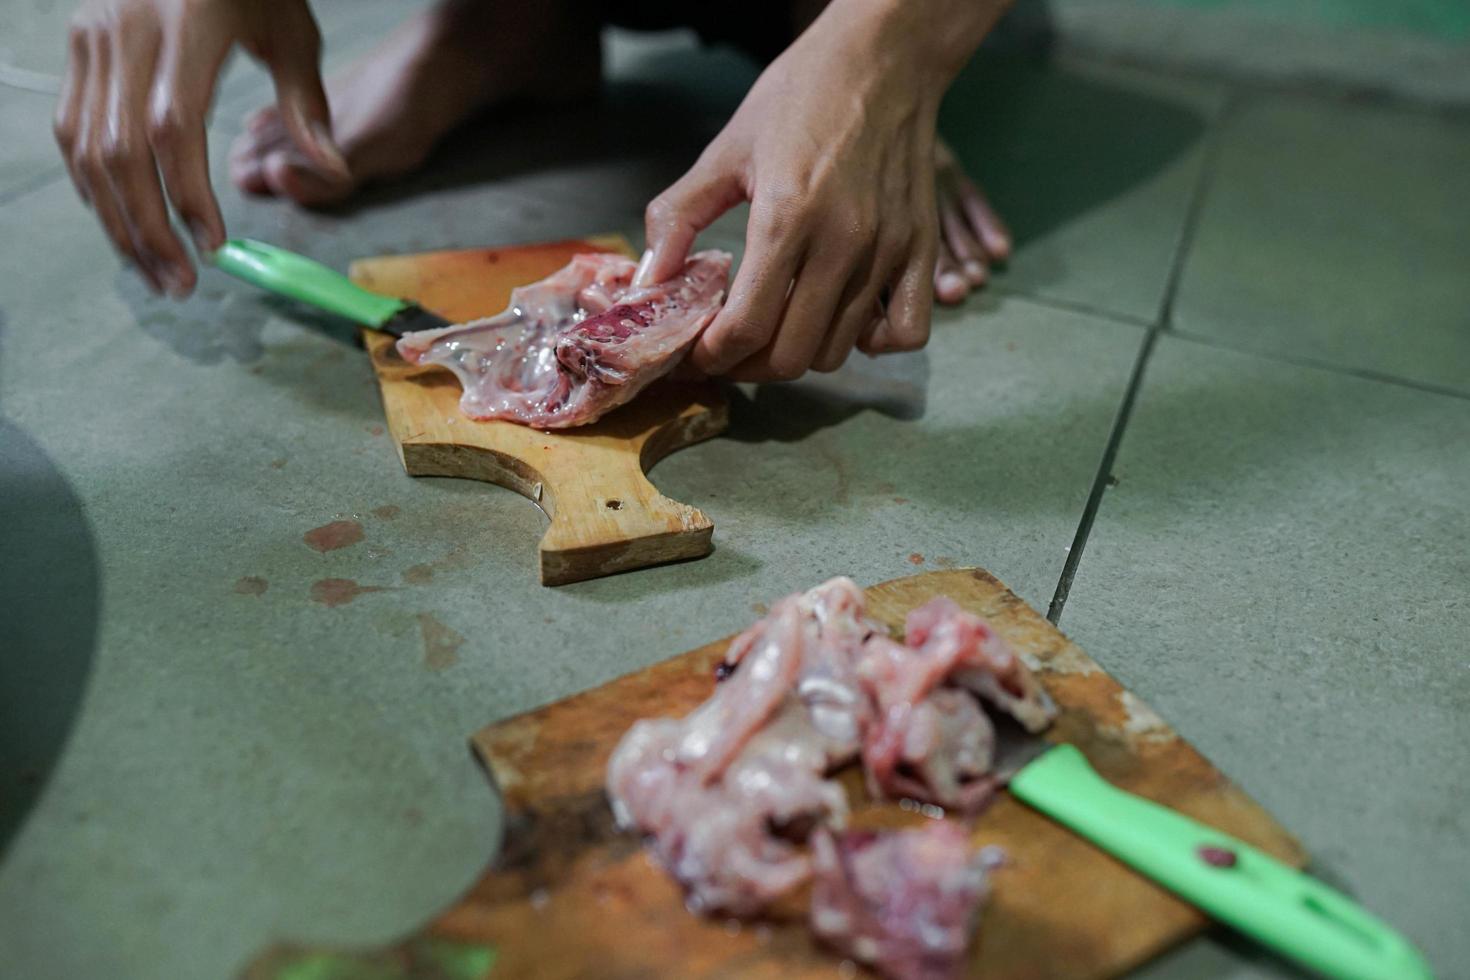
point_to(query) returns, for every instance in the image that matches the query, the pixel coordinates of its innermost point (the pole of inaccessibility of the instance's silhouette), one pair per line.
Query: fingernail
(328, 147)
(174, 281)
(203, 241)
(645, 266)
(975, 271)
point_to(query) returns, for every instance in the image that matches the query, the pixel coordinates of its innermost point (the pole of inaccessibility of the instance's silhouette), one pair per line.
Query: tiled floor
(1097, 218)
(1338, 234)
(1275, 555)
(24, 116)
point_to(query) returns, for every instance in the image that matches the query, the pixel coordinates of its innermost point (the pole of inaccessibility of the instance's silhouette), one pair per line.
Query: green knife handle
(1289, 911)
(298, 277)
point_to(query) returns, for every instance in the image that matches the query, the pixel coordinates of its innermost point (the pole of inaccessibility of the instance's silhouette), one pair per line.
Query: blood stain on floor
(330, 537)
(333, 592)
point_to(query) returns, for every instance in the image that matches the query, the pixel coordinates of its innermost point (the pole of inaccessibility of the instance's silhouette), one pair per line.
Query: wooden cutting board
(569, 896)
(605, 515)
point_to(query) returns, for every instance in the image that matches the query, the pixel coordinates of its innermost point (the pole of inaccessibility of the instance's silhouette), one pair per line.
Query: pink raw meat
(728, 795)
(577, 344)
(926, 741)
(903, 901)
(714, 789)
(984, 664)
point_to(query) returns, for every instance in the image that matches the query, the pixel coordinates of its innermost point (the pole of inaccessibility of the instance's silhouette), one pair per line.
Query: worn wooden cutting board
(605, 515)
(569, 896)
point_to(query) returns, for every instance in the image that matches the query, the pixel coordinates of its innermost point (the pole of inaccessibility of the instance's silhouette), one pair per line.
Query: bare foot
(972, 237)
(392, 107)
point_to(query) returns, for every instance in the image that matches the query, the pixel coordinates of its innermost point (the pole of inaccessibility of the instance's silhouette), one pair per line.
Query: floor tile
(1092, 167)
(33, 34)
(25, 132)
(1281, 570)
(247, 764)
(1339, 233)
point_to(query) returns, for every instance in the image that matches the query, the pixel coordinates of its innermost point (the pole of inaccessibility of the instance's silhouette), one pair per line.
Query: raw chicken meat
(730, 793)
(985, 664)
(904, 902)
(833, 628)
(577, 344)
(931, 742)
(721, 841)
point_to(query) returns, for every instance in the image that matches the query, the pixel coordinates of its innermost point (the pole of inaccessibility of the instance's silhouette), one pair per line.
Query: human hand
(834, 148)
(139, 80)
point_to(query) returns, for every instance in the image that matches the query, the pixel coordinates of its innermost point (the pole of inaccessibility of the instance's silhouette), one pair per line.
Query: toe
(950, 285)
(245, 168)
(265, 122)
(289, 174)
(249, 176)
(984, 223)
(970, 256)
(251, 149)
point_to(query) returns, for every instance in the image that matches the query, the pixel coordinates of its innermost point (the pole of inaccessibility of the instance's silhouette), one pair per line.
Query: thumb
(295, 71)
(674, 218)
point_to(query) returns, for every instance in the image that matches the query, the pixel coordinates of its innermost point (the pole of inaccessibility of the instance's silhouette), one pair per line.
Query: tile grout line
(1100, 480)
(1104, 474)
(1072, 306)
(1300, 360)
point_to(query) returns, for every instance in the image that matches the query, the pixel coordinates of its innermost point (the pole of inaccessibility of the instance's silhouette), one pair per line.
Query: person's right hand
(139, 80)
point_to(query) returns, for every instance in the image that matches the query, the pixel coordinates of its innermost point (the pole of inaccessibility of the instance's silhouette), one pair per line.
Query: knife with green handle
(1240, 885)
(295, 276)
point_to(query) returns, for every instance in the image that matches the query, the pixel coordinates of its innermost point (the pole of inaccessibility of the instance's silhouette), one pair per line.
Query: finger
(758, 296)
(182, 91)
(950, 284)
(911, 295)
(91, 158)
(809, 317)
(132, 170)
(911, 302)
(873, 316)
(875, 325)
(986, 224)
(676, 217)
(855, 313)
(968, 253)
(67, 123)
(294, 61)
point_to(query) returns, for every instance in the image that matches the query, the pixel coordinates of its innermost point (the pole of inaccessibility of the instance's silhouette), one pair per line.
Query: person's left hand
(834, 149)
